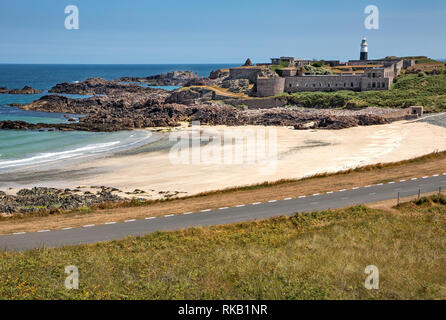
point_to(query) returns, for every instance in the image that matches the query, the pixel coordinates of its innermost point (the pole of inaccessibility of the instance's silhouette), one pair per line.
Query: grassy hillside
(309, 256)
(410, 89)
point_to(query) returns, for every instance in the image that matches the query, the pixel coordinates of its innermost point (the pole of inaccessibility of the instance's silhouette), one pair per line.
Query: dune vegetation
(320, 255)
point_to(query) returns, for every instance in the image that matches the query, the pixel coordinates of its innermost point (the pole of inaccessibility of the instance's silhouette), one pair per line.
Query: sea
(28, 148)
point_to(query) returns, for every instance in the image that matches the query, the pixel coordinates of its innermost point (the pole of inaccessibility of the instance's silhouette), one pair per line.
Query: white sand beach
(299, 154)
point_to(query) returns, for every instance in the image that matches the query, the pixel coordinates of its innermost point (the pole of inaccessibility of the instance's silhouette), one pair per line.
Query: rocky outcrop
(237, 86)
(174, 78)
(127, 107)
(118, 113)
(191, 96)
(51, 199)
(219, 74)
(98, 86)
(199, 82)
(24, 90)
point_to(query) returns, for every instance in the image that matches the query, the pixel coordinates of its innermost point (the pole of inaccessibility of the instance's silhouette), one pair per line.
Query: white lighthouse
(364, 50)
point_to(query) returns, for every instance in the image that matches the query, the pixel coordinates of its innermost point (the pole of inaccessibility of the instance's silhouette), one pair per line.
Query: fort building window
(352, 85)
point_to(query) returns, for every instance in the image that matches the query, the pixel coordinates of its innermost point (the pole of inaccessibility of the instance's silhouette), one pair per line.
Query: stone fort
(356, 75)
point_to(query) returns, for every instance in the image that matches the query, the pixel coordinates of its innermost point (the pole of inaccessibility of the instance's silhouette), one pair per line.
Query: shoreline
(335, 150)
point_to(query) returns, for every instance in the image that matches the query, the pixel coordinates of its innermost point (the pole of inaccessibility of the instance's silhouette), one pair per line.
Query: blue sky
(229, 31)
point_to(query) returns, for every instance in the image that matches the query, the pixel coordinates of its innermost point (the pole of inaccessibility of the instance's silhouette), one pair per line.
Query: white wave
(52, 156)
(87, 150)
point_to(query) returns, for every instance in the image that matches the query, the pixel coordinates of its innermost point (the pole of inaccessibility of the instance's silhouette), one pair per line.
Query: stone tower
(364, 50)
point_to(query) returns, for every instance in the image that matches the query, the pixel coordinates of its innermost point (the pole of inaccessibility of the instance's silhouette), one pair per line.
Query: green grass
(428, 91)
(319, 255)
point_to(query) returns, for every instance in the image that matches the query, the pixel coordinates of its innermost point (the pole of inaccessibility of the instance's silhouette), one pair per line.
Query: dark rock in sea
(24, 90)
(98, 86)
(174, 78)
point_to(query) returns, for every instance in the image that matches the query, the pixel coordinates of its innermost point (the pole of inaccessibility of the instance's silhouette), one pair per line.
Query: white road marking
(256, 203)
(168, 215)
(436, 175)
(342, 190)
(148, 218)
(316, 194)
(43, 231)
(271, 201)
(286, 199)
(355, 188)
(301, 197)
(240, 206)
(403, 180)
(380, 184)
(131, 220)
(88, 226)
(19, 232)
(224, 208)
(413, 179)
(392, 182)
(425, 177)
(68, 228)
(186, 213)
(329, 192)
(367, 186)
(112, 222)
(206, 210)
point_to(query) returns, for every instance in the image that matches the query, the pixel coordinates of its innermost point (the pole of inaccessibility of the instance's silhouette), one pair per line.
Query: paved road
(243, 212)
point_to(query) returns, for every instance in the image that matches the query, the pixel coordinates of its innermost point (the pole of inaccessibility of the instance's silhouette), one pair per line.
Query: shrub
(421, 201)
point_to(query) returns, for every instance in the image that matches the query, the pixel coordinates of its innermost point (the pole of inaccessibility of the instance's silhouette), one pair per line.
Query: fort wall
(250, 73)
(267, 87)
(323, 83)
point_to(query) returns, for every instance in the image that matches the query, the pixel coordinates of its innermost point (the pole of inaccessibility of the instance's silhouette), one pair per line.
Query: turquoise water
(30, 148)
(16, 114)
(34, 148)
(170, 88)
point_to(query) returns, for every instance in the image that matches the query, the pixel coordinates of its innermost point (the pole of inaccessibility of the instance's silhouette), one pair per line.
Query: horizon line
(136, 64)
